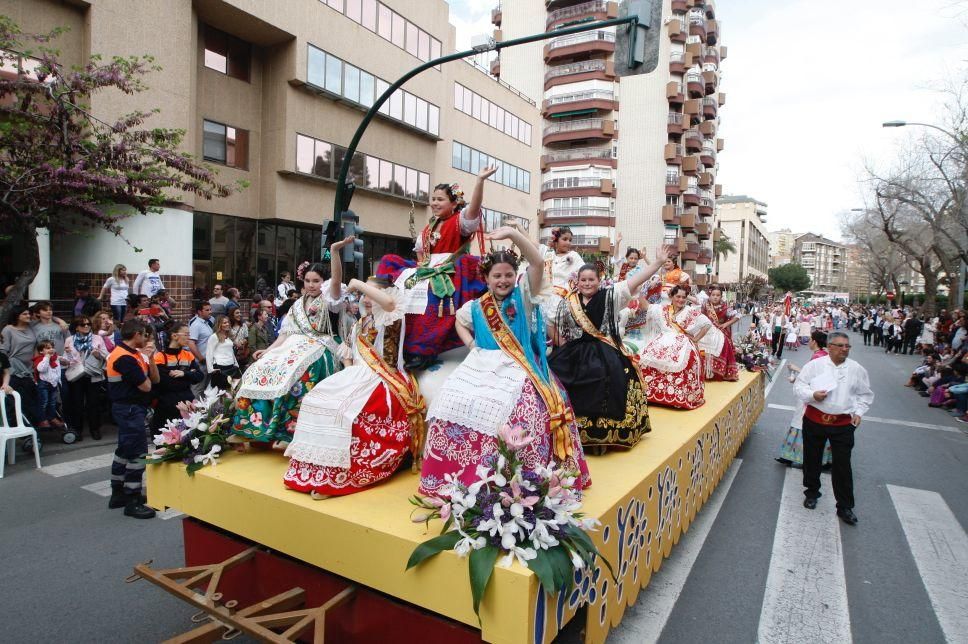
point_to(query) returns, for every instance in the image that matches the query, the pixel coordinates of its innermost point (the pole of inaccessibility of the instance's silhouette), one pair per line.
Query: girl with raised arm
(504, 381)
(445, 275)
(303, 354)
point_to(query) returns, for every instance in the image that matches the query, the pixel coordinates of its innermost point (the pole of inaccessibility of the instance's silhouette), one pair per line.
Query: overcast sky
(808, 84)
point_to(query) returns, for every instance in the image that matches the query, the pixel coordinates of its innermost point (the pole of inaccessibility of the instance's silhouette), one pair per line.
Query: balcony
(680, 6)
(708, 128)
(691, 165)
(718, 191)
(590, 215)
(706, 179)
(577, 187)
(722, 98)
(584, 12)
(674, 123)
(496, 16)
(693, 108)
(704, 230)
(722, 52)
(673, 187)
(710, 7)
(705, 257)
(581, 71)
(677, 30)
(710, 107)
(692, 251)
(688, 220)
(671, 214)
(579, 103)
(588, 43)
(708, 154)
(694, 84)
(697, 23)
(711, 56)
(596, 156)
(706, 205)
(710, 81)
(677, 62)
(674, 92)
(690, 196)
(692, 140)
(579, 130)
(712, 32)
(693, 53)
(496, 66)
(673, 153)
(720, 144)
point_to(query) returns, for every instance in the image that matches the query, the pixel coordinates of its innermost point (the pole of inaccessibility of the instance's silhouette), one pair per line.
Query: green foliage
(480, 567)
(432, 547)
(789, 277)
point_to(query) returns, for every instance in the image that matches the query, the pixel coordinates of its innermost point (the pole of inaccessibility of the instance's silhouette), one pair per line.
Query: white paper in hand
(824, 382)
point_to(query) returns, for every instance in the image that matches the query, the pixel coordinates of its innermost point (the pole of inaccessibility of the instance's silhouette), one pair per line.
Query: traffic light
(637, 45)
(353, 253)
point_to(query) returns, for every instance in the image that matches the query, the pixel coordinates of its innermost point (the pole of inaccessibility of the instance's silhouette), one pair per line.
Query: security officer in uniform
(130, 372)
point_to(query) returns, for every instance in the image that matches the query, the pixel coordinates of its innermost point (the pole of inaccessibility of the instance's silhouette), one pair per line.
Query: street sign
(890, 295)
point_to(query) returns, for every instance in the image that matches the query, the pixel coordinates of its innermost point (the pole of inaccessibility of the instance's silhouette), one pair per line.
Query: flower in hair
(301, 270)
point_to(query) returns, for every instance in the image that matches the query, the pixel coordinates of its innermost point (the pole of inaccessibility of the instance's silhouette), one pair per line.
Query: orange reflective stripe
(113, 375)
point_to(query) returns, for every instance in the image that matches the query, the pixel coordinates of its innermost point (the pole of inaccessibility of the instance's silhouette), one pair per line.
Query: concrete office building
(743, 220)
(824, 260)
(653, 179)
(269, 93)
(781, 246)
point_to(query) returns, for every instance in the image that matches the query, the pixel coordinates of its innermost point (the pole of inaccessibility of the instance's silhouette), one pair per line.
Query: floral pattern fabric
(670, 361)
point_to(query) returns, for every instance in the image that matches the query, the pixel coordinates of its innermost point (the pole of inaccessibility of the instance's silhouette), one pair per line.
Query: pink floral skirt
(458, 450)
(681, 389)
(381, 440)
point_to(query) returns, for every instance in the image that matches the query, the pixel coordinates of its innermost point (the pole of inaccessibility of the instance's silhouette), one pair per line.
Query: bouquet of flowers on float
(753, 355)
(200, 436)
(511, 513)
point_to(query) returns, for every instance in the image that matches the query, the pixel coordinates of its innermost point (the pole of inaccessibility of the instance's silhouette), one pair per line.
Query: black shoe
(137, 510)
(810, 504)
(413, 362)
(783, 461)
(121, 500)
(96, 434)
(847, 516)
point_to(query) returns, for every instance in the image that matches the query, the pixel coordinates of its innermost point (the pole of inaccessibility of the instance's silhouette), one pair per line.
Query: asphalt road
(66, 554)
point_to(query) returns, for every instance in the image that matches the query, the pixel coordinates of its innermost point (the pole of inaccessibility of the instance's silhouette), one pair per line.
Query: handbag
(75, 372)
(93, 366)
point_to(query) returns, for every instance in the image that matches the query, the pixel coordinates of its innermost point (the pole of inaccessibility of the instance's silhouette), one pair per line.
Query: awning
(574, 113)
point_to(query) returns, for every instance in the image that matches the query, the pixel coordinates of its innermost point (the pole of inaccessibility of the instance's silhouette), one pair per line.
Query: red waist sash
(814, 415)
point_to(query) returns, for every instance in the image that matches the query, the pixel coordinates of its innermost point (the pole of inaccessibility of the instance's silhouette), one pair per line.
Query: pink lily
(515, 438)
(515, 497)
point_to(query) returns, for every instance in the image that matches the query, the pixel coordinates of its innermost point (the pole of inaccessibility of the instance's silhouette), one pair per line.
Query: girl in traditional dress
(599, 374)
(670, 360)
(722, 366)
(630, 263)
(791, 335)
(444, 276)
(561, 265)
(304, 353)
(504, 380)
(804, 328)
(791, 451)
(658, 288)
(356, 427)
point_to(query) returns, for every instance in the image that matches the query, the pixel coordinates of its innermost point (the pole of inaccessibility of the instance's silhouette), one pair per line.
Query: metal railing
(578, 39)
(590, 95)
(574, 126)
(596, 6)
(675, 118)
(586, 211)
(672, 178)
(677, 57)
(709, 100)
(572, 182)
(500, 82)
(691, 190)
(583, 67)
(580, 154)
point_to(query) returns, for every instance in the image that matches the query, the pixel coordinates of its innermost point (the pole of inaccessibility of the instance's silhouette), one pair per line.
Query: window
(458, 96)
(412, 38)
(399, 179)
(225, 144)
(399, 26)
(316, 72)
(386, 176)
(470, 160)
(421, 114)
(396, 105)
(383, 25)
(351, 83)
(354, 10)
(389, 25)
(423, 46)
(334, 74)
(227, 54)
(433, 119)
(410, 109)
(369, 14)
(367, 87)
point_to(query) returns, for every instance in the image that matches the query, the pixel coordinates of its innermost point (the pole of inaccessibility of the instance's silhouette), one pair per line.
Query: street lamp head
(894, 124)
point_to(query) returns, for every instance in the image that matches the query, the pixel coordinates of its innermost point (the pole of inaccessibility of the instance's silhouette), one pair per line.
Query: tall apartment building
(271, 93)
(858, 272)
(654, 178)
(743, 220)
(825, 261)
(781, 246)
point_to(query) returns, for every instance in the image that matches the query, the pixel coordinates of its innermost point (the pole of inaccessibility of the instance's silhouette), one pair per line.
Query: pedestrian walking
(837, 394)
(149, 282)
(131, 371)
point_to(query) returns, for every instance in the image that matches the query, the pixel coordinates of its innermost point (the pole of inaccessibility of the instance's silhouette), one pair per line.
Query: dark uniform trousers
(841, 440)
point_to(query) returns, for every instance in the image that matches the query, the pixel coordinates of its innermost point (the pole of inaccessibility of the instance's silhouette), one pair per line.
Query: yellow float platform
(645, 498)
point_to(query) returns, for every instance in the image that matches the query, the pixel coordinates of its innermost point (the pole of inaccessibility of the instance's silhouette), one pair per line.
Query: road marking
(81, 465)
(776, 375)
(889, 421)
(101, 488)
(940, 548)
(170, 513)
(645, 621)
(806, 589)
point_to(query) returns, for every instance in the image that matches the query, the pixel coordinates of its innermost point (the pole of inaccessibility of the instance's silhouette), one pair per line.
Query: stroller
(64, 432)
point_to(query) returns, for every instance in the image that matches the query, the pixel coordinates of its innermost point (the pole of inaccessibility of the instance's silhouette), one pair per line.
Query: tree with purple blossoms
(63, 169)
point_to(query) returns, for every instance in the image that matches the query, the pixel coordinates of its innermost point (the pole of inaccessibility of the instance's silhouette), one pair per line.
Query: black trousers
(777, 344)
(83, 402)
(867, 337)
(878, 335)
(841, 443)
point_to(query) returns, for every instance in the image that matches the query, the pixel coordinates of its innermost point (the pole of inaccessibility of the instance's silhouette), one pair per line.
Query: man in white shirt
(837, 394)
(149, 282)
(199, 333)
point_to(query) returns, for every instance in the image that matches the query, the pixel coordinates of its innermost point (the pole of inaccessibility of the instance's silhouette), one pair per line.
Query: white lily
(523, 555)
(210, 458)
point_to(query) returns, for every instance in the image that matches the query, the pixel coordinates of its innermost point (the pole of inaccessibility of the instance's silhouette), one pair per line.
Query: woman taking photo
(503, 382)
(304, 353)
(670, 360)
(178, 370)
(600, 376)
(220, 355)
(86, 354)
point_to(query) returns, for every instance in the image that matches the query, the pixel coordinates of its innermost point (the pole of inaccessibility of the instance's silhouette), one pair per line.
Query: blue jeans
(126, 470)
(118, 311)
(46, 400)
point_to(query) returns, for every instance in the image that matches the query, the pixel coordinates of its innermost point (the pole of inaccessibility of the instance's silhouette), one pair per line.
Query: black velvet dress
(601, 381)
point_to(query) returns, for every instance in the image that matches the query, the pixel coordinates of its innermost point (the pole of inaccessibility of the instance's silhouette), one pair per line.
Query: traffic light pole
(344, 193)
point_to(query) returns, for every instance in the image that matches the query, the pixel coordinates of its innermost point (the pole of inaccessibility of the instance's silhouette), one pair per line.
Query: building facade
(270, 93)
(781, 247)
(824, 260)
(858, 273)
(743, 220)
(654, 182)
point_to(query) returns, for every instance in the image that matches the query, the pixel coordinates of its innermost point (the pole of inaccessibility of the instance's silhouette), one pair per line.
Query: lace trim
(252, 380)
(481, 393)
(320, 455)
(382, 317)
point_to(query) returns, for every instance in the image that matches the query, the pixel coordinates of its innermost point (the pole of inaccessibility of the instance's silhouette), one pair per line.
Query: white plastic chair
(11, 431)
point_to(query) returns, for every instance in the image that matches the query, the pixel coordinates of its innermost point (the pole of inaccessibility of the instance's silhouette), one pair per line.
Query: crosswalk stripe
(806, 588)
(645, 621)
(170, 513)
(776, 376)
(81, 465)
(940, 548)
(888, 421)
(101, 488)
